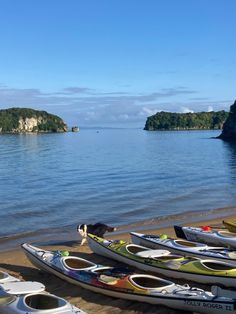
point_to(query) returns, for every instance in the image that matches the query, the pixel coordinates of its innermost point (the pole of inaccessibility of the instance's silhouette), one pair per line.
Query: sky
(116, 62)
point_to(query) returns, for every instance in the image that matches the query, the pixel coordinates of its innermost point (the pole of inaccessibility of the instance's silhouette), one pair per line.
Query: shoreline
(69, 233)
(15, 262)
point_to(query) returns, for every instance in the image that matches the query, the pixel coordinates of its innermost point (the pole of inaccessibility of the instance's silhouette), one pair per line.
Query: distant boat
(75, 129)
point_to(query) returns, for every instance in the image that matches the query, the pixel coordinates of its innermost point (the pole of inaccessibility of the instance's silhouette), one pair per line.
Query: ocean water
(117, 176)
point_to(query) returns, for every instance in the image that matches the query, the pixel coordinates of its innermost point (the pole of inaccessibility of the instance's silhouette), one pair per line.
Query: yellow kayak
(163, 262)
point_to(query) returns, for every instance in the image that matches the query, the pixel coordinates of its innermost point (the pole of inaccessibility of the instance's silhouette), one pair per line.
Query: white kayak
(207, 235)
(30, 297)
(185, 247)
(121, 283)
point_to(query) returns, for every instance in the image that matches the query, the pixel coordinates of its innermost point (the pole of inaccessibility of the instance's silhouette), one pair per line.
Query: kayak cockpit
(217, 266)
(227, 234)
(135, 249)
(76, 263)
(44, 302)
(188, 244)
(150, 282)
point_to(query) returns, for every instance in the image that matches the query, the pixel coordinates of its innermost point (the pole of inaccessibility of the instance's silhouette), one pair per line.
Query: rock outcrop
(229, 127)
(75, 129)
(25, 120)
(28, 124)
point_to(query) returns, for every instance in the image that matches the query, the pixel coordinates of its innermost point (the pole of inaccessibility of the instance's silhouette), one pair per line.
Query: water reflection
(230, 149)
(115, 176)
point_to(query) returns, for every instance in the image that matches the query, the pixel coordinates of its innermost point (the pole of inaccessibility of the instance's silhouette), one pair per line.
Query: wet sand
(15, 263)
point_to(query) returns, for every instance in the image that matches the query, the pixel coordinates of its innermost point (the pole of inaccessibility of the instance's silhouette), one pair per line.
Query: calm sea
(116, 176)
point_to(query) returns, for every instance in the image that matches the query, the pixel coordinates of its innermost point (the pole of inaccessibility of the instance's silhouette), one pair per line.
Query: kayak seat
(43, 302)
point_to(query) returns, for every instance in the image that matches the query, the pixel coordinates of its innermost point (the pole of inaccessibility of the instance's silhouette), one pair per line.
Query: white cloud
(210, 108)
(145, 111)
(85, 106)
(186, 110)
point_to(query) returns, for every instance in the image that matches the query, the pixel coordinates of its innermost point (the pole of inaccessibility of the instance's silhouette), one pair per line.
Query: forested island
(229, 129)
(26, 120)
(163, 121)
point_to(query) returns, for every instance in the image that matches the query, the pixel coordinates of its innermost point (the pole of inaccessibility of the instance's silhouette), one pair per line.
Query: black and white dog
(98, 229)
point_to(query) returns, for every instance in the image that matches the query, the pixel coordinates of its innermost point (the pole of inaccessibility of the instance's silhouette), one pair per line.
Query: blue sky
(115, 62)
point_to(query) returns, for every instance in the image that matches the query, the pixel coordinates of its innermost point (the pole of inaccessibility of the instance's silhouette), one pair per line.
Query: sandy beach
(15, 263)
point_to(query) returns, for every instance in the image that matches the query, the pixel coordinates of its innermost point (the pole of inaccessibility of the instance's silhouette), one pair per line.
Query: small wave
(13, 241)
(29, 213)
(52, 236)
(188, 216)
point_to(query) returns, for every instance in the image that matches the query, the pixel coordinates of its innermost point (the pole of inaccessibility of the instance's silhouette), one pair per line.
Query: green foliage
(9, 120)
(186, 121)
(229, 128)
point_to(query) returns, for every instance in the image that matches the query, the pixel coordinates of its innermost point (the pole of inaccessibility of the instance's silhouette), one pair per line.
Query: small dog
(97, 229)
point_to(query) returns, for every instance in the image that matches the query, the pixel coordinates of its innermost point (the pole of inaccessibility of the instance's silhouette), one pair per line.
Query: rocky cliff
(25, 120)
(229, 127)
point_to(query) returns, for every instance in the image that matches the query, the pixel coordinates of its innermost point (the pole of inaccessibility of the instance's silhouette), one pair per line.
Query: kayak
(122, 283)
(21, 297)
(207, 235)
(184, 247)
(174, 266)
(230, 225)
